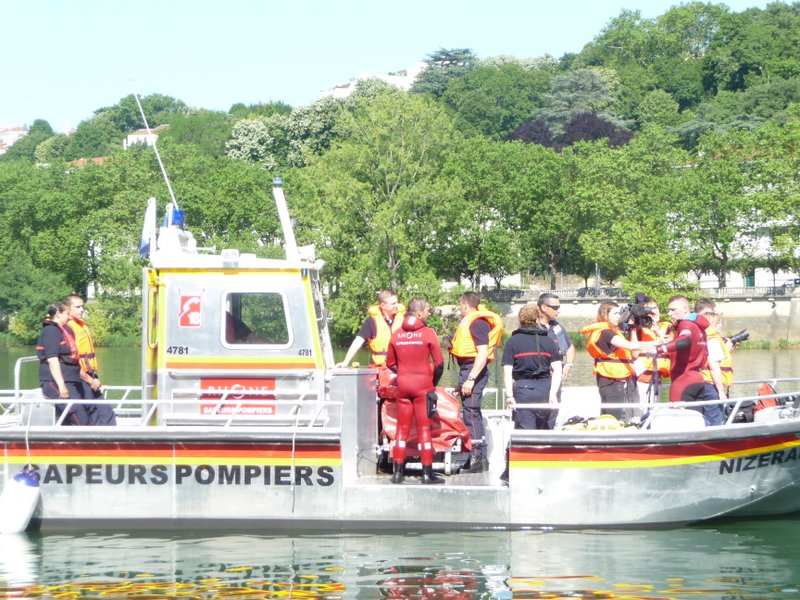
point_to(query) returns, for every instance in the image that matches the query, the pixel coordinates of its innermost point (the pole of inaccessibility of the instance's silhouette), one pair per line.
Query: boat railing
(589, 406)
(295, 408)
(225, 410)
(18, 370)
(303, 403)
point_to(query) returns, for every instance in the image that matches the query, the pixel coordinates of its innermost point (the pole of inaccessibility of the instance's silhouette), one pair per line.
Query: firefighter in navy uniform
(59, 365)
(532, 372)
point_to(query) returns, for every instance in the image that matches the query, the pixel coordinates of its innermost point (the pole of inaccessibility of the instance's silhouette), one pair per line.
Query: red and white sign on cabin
(189, 315)
(235, 391)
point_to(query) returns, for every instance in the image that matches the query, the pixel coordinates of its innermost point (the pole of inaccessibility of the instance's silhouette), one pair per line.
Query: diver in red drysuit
(688, 351)
(411, 350)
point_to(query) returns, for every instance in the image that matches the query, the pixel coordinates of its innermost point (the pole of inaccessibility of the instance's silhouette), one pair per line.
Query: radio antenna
(155, 147)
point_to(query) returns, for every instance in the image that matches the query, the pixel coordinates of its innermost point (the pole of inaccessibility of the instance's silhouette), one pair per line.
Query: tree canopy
(666, 146)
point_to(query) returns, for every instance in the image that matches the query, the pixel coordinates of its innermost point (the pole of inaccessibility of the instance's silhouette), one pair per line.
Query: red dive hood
(699, 320)
(413, 323)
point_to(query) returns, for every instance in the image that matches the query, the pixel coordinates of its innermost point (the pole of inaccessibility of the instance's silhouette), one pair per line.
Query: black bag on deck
(432, 398)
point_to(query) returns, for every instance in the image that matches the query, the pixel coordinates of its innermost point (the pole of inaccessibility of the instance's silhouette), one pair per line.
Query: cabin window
(256, 318)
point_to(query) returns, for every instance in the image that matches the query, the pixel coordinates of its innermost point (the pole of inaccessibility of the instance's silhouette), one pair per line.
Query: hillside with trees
(666, 146)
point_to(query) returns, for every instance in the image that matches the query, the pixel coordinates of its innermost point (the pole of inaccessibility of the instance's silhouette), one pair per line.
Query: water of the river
(754, 559)
(742, 560)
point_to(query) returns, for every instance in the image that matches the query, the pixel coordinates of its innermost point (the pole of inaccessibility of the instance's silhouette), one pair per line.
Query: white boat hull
(318, 478)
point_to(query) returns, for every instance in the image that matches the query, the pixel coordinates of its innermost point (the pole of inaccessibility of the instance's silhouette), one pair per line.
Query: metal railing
(616, 293)
(225, 411)
(223, 408)
(788, 404)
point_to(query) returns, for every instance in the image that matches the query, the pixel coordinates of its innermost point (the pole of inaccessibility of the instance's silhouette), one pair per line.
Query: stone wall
(765, 319)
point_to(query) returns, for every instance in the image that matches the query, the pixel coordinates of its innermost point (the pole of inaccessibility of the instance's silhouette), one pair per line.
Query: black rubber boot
(428, 476)
(477, 463)
(397, 475)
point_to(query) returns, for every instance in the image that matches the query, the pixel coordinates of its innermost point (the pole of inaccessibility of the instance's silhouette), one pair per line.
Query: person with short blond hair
(688, 351)
(382, 321)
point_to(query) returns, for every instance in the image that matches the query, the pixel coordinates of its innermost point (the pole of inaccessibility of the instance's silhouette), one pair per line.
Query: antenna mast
(155, 147)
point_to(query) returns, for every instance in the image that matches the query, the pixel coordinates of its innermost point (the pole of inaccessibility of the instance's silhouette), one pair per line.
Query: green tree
(253, 111)
(371, 196)
(36, 271)
(52, 149)
(25, 291)
(443, 67)
(25, 147)
(623, 198)
(658, 108)
(770, 163)
(753, 47)
(207, 130)
(712, 210)
(103, 133)
(575, 92)
(493, 100)
(475, 232)
(158, 108)
(98, 136)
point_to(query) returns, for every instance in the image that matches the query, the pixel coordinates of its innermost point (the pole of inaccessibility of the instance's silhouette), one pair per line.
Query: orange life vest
(647, 359)
(67, 338)
(618, 365)
(725, 365)
(464, 345)
(768, 402)
(379, 345)
(83, 339)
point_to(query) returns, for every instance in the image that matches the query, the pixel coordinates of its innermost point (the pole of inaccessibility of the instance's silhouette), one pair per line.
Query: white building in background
(141, 136)
(9, 135)
(402, 79)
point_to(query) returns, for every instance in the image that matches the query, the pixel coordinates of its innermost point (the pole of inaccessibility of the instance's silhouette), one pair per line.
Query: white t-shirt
(715, 352)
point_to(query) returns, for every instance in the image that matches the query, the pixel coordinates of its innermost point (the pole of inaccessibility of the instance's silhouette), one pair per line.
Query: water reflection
(19, 560)
(757, 559)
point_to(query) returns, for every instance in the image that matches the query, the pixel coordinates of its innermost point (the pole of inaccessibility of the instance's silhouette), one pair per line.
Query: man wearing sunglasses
(549, 306)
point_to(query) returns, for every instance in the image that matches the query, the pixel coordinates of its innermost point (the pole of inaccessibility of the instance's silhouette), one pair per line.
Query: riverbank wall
(767, 319)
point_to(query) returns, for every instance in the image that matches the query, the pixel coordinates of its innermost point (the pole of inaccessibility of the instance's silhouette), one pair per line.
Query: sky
(60, 60)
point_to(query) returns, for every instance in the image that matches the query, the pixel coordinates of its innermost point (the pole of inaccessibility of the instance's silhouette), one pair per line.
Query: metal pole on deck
(286, 223)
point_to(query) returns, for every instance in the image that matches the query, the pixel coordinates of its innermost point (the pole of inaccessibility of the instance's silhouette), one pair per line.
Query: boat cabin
(231, 334)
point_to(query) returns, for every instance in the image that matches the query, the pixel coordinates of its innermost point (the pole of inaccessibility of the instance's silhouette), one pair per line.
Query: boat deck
(485, 479)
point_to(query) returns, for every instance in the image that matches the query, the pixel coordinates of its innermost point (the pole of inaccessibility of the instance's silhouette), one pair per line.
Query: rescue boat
(242, 423)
